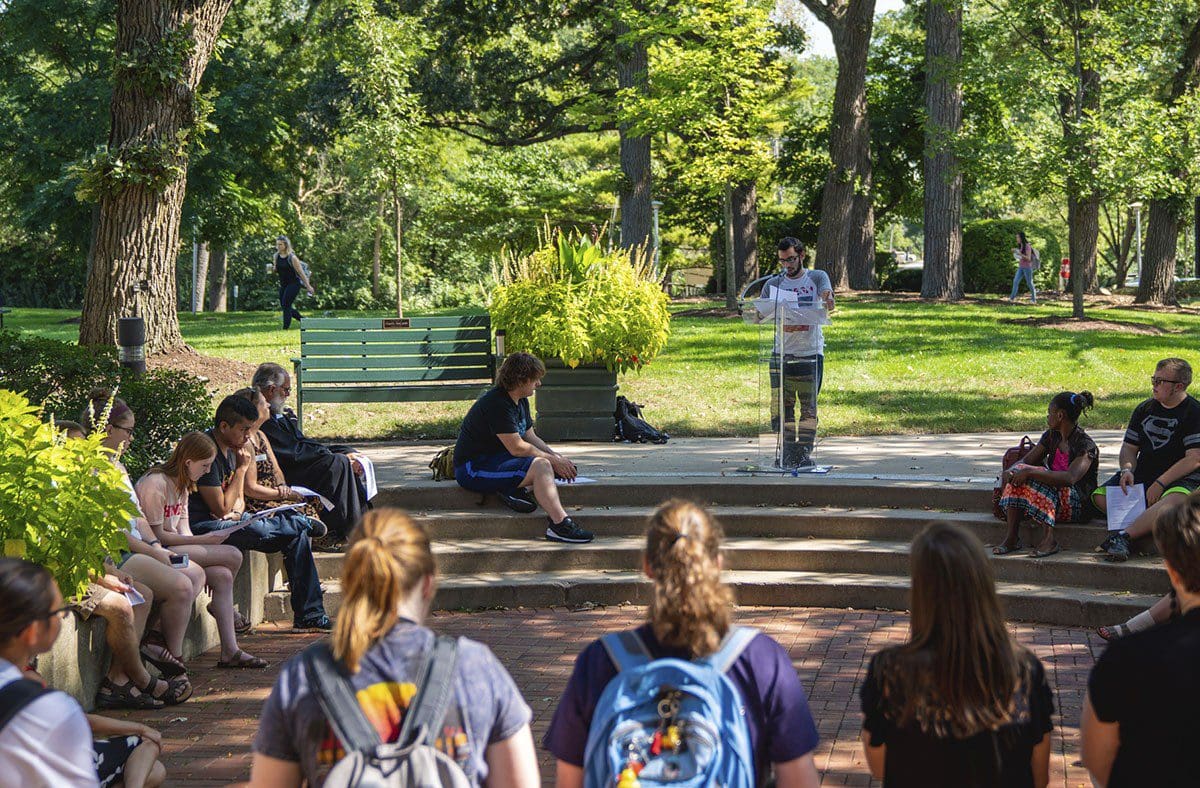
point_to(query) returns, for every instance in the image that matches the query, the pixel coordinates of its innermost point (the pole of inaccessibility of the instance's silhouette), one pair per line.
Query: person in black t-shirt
(1139, 716)
(960, 705)
(498, 450)
(1161, 451)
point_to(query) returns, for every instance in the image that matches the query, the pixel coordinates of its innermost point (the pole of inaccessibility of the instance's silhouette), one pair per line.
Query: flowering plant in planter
(572, 300)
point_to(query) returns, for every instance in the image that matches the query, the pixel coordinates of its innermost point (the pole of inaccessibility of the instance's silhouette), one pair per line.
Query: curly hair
(519, 368)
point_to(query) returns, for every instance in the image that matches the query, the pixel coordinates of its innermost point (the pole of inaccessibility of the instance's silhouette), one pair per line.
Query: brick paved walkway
(208, 738)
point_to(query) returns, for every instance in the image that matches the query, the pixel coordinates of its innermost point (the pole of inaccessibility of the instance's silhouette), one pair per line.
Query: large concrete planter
(576, 404)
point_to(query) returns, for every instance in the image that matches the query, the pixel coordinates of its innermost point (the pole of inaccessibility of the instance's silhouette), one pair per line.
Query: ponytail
(387, 557)
(1073, 405)
(690, 607)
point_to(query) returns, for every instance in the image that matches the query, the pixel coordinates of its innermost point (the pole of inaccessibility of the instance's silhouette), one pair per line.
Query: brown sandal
(242, 660)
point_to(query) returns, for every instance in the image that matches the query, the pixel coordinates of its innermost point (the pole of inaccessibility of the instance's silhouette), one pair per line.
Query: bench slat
(392, 375)
(425, 361)
(398, 335)
(406, 393)
(440, 321)
(395, 348)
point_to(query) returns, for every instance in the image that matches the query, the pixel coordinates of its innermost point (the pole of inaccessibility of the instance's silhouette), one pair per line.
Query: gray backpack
(411, 760)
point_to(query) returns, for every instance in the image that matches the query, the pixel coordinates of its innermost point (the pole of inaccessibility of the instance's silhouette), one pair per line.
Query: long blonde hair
(691, 607)
(388, 555)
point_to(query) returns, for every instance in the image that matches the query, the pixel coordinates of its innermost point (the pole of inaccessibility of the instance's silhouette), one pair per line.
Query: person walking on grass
(291, 275)
(1024, 255)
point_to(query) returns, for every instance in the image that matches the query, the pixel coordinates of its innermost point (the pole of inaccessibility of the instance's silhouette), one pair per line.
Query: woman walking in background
(960, 705)
(291, 278)
(1024, 255)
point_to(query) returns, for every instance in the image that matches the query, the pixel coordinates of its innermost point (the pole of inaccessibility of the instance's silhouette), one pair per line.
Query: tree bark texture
(731, 291)
(637, 216)
(136, 237)
(1083, 220)
(398, 213)
(377, 249)
(745, 233)
(861, 254)
(218, 273)
(943, 274)
(850, 23)
(200, 276)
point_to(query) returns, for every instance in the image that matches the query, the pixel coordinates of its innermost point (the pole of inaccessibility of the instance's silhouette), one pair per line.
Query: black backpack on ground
(632, 427)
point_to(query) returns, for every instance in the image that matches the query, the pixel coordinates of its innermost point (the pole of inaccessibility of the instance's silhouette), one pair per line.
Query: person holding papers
(1161, 452)
(1052, 483)
(799, 350)
(217, 503)
(266, 488)
(163, 492)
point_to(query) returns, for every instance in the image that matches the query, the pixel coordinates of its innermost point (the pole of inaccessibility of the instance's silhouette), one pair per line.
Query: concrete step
(731, 490)
(1023, 601)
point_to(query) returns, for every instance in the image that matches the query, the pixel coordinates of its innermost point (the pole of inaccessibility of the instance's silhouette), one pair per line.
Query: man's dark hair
(1177, 536)
(519, 368)
(788, 242)
(234, 409)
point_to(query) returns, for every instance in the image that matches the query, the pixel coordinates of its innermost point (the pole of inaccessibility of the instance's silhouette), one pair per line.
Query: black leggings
(287, 296)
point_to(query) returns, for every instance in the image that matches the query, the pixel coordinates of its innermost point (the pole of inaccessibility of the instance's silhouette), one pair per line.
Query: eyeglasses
(1157, 381)
(127, 430)
(791, 259)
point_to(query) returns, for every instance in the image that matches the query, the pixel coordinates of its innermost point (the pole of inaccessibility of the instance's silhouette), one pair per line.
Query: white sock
(1142, 621)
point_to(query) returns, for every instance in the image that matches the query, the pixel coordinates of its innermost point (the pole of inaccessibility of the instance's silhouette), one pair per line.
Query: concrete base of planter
(576, 404)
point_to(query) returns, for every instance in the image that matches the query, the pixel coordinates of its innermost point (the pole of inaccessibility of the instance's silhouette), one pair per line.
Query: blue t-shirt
(293, 728)
(494, 413)
(777, 715)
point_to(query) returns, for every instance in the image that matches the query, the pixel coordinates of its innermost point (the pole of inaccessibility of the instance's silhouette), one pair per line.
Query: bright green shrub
(573, 301)
(988, 262)
(59, 375)
(62, 503)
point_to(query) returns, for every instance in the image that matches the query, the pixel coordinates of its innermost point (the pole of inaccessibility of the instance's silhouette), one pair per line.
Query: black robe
(325, 469)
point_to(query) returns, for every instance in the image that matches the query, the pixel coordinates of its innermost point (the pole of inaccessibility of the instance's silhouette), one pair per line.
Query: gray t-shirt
(293, 728)
(809, 287)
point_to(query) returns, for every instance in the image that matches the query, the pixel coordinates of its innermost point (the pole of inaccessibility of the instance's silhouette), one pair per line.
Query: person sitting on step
(1052, 483)
(499, 452)
(1161, 451)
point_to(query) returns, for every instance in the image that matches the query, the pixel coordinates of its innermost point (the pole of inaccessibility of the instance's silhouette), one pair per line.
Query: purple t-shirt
(781, 726)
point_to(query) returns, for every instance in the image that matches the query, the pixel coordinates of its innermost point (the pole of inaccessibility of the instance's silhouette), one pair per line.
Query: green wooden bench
(420, 359)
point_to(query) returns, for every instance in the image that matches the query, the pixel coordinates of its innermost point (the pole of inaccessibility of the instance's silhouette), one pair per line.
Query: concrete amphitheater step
(1049, 604)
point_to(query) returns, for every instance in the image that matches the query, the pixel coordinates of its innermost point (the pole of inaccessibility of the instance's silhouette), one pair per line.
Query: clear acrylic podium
(789, 378)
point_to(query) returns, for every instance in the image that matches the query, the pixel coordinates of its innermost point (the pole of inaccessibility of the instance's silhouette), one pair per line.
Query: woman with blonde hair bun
(388, 583)
(690, 618)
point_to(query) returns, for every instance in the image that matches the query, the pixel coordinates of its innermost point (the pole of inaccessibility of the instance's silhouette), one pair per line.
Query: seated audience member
(1139, 716)
(499, 452)
(332, 471)
(1054, 481)
(388, 582)
(163, 492)
(175, 586)
(960, 705)
(1161, 451)
(46, 742)
(689, 619)
(217, 506)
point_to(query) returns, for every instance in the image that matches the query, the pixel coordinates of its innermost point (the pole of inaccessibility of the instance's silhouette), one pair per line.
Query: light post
(1137, 220)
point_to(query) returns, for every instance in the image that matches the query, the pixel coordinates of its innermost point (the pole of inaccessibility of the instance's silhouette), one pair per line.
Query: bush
(988, 262)
(903, 280)
(573, 301)
(62, 502)
(59, 375)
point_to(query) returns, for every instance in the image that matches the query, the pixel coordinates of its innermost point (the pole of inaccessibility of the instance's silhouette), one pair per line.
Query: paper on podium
(1124, 508)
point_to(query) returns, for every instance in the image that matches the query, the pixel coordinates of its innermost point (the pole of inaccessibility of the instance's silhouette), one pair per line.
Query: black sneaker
(1103, 546)
(1118, 548)
(316, 528)
(519, 500)
(568, 531)
(319, 624)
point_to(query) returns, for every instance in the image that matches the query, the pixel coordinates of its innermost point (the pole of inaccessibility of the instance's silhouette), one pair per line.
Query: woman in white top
(163, 492)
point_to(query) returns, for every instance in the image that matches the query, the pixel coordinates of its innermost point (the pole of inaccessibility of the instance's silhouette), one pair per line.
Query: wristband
(1126, 470)
(154, 542)
(1159, 483)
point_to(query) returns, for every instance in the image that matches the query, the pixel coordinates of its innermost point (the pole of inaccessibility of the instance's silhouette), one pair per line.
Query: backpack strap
(735, 642)
(425, 714)
(338, 701)
(16, 696)
(626, 649)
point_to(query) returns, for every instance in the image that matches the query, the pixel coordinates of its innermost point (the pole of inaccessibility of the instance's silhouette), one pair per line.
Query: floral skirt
(1042, 503)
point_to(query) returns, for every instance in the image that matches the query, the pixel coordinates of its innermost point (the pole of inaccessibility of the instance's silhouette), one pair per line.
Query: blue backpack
(670, 721)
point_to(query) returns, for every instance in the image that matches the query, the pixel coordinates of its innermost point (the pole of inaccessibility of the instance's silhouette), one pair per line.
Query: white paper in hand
(1124, 508)
(307, 493)
(576, 480)
(135, 597)
(368, 477)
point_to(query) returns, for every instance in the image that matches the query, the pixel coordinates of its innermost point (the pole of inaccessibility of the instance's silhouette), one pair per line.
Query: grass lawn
(893, 365)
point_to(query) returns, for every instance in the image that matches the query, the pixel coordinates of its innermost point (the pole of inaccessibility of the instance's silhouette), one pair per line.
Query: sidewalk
(208, 739)
(962, 457)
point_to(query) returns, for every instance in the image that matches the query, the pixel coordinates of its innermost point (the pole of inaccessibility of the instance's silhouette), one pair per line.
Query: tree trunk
(398, 210)
(745, 233)
(850, 26)
(635, 193)
(136, 237)
(1083, 219)
(199, 275)
(218, 271)
(862, 243)
(731, 291)
(1157, 282)
(377, 249)
(943, 275)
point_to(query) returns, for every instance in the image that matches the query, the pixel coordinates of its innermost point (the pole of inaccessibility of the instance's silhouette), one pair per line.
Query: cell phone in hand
(180, 561)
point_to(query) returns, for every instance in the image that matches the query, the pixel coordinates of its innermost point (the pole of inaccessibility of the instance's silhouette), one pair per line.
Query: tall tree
(942, 276)
(633, 82)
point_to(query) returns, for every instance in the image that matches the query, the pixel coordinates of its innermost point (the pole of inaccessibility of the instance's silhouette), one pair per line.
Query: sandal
(1000, 549)
(242, 660)
(1115, 632)
(241, 624)
(120, 696)
(1044, 553)
(178, 690)
(161, 657)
